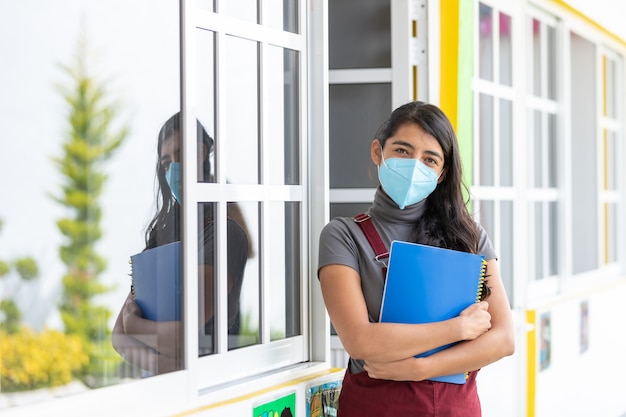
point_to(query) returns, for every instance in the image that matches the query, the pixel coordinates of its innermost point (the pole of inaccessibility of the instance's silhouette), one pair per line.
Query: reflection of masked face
(406, 181)
(174, 180)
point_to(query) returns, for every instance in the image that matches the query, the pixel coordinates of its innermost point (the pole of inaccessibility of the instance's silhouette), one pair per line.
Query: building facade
(291, 93)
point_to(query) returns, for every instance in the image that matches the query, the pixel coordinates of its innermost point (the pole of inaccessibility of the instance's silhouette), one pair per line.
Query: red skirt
(362, 396)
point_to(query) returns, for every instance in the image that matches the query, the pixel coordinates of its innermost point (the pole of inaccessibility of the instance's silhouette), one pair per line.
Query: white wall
(575, 384)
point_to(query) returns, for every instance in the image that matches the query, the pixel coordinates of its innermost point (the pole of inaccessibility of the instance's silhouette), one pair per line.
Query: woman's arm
(133, 350)
(163, 337)
(493, 345)
(383, 342)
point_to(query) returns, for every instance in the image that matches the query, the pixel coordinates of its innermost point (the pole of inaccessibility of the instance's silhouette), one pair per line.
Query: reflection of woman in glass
(156, 346)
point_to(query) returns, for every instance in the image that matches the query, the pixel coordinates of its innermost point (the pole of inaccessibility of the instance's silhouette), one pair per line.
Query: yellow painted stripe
(531, 362)
(414, 82)
(257, 393)
(589, 20)
(449, 64)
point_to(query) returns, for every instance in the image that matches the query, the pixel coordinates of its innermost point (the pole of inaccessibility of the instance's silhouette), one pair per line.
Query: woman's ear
(376, 152)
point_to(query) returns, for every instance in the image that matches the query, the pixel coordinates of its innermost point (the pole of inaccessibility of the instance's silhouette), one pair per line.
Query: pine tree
(89, 143)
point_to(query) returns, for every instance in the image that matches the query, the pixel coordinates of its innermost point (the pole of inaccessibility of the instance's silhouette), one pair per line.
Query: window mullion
(264, 174)
(221, 132)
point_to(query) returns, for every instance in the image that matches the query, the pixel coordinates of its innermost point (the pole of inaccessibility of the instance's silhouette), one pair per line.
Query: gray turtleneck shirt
(343, 242)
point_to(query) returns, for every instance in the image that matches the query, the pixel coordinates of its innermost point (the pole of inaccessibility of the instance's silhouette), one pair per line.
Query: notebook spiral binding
(483, 270)
(132, 279)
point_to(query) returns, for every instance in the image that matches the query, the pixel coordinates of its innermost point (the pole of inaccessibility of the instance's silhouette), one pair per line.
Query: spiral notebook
(427, 284)
(156, 282)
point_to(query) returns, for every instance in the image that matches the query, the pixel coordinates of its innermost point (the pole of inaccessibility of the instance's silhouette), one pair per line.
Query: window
(494, 145)
(610, 149)
(244, 224)
(237, 65)
(543, 150)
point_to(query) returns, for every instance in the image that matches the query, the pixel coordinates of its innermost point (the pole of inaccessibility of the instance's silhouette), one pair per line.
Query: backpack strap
(373, 237)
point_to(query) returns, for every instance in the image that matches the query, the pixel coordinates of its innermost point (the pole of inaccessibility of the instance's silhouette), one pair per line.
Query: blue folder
(156, 282)
(428, 284)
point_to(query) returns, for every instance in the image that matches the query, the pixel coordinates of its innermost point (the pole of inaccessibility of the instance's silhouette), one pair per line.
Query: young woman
(155, 346)
(420, 200)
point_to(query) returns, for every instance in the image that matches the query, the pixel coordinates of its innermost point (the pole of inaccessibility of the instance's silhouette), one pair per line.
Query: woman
(155, 346)
(419, 200)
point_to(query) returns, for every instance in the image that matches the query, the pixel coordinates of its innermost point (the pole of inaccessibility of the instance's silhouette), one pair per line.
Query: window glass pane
(506, 50)
(73, 256)
(205, 96)
(552, 151)
(553, 238)
(611, 157)
(485, 43)
(536, 163)
(611, 252)
(359, 33)
(355, 114)
(243, 311)
(284, 270)
(282, 15)
(506, 247)
(241, 9)
(583, 121)
(537, 241)
(610, 87)
(283, 85)
(241, 272)
(240, 114)
(506, 143)
(207, 277)
(551, 64)
(487, 216)
(485, 134)
(535, 72)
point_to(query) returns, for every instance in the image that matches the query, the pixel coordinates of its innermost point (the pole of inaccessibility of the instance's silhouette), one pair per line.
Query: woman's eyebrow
(434, 153)
(403, 143)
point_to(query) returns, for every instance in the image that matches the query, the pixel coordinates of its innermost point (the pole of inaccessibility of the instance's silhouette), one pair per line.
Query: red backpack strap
(365, 223)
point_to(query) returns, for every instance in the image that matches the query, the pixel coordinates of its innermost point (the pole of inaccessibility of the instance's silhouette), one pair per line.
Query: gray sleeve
(485, 247)
(337, 245)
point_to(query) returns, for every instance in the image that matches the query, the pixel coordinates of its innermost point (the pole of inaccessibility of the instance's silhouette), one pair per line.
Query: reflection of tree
(89, 143)
(27, 270)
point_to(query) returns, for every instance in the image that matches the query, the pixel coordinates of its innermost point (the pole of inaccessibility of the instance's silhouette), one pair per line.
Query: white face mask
(406, 181)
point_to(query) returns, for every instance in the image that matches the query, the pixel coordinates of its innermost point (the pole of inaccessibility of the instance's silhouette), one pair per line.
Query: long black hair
(446, 221)
(164, 227)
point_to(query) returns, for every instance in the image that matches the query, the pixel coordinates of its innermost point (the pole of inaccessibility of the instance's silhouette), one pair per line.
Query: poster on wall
(545, 341)
(284, 406)
(322, 399)
(584, 326)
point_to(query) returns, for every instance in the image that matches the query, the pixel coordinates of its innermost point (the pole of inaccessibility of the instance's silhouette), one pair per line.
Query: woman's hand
(476, 320)
(131, 316)
(402, 370)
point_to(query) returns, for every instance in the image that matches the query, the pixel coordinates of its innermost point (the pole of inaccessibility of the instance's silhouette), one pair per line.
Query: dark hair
(446, 221)
(164, 227)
